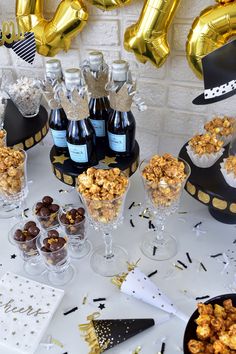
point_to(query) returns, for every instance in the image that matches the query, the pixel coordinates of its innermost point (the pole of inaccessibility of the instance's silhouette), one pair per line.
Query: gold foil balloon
(109, 4)
(212, 29)
(147, 38)
(56, 34)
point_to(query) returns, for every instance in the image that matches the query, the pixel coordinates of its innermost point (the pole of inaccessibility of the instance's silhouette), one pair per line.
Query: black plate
(190, 331)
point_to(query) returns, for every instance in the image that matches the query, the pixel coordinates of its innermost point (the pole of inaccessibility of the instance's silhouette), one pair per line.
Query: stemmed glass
(57, 261)
(163, 200)
(13, 189)
(27, 249)
(79, 246)
(105, 216)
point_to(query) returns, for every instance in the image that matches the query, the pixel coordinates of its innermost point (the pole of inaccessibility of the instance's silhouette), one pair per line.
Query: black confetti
(189, 258)
(198, 224)
(144, 216)
(216, 255)
(101, 306)
(234, 241)
(13, 256)
(203, 267)
(70, 311)
(99, 299)
(131, 205)
(181, 263)
(131, 223)
(25, 212)
(202, 297)
(163, 347)
(151, 274)
(154, 250)
(182, 212)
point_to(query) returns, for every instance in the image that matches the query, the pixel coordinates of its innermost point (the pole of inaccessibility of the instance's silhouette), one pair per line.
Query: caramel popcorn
(164, 176)
(205, 144)
(11, 171)
(3, 134)
(216, 329)
(230, 165)
(220, 126)
(103, 192)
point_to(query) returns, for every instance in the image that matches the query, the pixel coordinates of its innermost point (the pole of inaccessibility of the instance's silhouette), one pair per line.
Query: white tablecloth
(197, 282)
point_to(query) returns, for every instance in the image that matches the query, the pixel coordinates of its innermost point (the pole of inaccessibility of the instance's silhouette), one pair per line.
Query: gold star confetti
(137, 350)
(108, 160)
(60, 159)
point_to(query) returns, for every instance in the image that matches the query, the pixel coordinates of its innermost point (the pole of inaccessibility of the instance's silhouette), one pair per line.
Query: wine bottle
(80, 132)
(57, 120)
(121, 125)
(99, 105)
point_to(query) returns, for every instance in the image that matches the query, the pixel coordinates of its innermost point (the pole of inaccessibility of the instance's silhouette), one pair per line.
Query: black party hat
(102, 335)
(219, 72)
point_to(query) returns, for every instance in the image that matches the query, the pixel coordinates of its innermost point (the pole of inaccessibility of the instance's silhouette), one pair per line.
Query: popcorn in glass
(24, 235)
(164, 178)
(103, 193)
(26, 95)
(13, 181)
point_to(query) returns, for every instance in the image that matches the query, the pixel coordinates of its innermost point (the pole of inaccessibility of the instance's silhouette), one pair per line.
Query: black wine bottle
(57, 120)
(96, 76)
(121, 126)
(81, 142)
(80, 134)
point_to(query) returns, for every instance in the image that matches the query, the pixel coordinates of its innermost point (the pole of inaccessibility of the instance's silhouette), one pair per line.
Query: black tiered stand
(23, 133)
(209, 187)
(66, 172)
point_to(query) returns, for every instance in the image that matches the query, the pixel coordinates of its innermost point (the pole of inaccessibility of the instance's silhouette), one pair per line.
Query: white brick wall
(171, 117)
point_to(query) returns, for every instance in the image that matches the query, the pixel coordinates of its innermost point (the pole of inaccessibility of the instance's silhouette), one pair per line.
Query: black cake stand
(23, 133)
(66, 172)
(209, 187)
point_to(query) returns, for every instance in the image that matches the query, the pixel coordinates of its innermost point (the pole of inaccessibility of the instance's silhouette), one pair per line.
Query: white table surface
(218, 238)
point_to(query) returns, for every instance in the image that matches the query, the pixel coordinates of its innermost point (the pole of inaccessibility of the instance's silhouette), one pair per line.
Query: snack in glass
(3, 138)
(53, 247)
(103, 193)
(163, 178)
(205, 149)
(13, 181)
(26, 95)
(72, 219)
(46, 212)
(24, 236)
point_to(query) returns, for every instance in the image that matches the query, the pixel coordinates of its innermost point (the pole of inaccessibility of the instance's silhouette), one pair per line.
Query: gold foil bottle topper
(96, 74)
(75, 107)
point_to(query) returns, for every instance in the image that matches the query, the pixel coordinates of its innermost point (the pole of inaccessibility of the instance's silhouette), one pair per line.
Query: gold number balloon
(212, 29)
(56, 34)
(147, 38)
(109, 4)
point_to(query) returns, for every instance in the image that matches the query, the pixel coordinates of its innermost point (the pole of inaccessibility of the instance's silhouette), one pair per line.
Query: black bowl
(190, 330)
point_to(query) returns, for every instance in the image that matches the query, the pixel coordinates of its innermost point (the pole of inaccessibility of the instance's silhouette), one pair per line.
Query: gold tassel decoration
(90, 337)
(119, 279)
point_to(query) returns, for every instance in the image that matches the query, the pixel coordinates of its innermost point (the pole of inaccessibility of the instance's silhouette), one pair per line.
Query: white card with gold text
(26, 308)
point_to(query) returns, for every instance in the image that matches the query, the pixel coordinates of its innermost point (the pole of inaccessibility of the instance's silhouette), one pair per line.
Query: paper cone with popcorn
(135, 283)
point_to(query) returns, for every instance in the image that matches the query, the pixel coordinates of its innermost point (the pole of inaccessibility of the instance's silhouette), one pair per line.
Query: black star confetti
(101, 306)
(13, 256)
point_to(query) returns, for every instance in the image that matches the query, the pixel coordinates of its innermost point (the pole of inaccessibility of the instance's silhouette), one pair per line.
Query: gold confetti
(84, 300)
(137, 350)
(57, 342)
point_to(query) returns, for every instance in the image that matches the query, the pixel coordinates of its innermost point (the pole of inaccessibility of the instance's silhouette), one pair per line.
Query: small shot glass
(24, 238)
(72, 219)
(53, 248)
(47, 218)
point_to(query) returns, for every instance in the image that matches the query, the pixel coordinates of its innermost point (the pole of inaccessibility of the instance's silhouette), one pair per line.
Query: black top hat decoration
(102, 335)
(219, 72)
